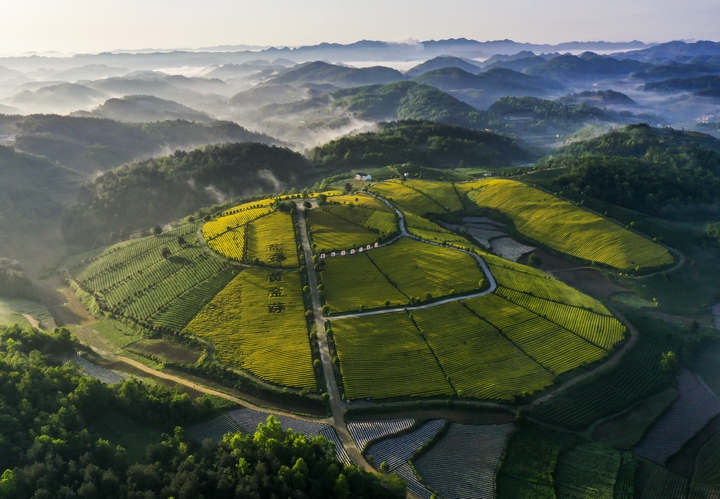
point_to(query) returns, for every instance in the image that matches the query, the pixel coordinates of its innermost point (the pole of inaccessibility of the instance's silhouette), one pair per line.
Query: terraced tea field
(543, 217)
(513, 349)
(331, 232)
(385, 356)
(589, 470)
(408, 198)
(258, 323)
(635, 378)
(271, 241)
(353, 282)
(397, 273)
(366, 211)
(418, 268)
(135, 280)
(566, 228)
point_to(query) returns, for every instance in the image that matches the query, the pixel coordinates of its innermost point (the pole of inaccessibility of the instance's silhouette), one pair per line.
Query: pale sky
(102, 25)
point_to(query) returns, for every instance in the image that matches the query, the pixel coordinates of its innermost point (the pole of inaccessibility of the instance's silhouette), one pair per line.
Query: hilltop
(322, 72)
(92, 144)
(163, 189)
(422, 143)
(144, 108)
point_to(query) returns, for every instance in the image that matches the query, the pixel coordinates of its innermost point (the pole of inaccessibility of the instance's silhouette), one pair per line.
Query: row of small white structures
(351, 251)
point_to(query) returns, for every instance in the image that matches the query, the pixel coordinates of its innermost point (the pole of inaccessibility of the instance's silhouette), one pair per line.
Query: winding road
(337, 405)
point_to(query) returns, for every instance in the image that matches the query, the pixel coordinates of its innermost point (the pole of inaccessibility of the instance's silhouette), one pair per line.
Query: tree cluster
(47, 450)
(420, 142)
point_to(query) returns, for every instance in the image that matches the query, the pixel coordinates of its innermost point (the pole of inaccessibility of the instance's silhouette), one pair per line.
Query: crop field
(443, 193)
(271, 239)
(230, 244)
(655, 482)
(531, 281)
(380, 221)
(463, 463)
(566, 228)
(601, 330)
(418, 268)
(385, 356)
(166, 350)
(422, 227)
(405, 269)
(518, 342)
(236, 217)
(366, 432)
(498, 369)
(179, 312)
(258, 324)
(361, 199)
(555, 348)
(529, 464)
(588, 471)
(330, 232)
(707, 463)
(407, 198)
(136, 281)
(687, 416)
(354, 281)
(635, 378)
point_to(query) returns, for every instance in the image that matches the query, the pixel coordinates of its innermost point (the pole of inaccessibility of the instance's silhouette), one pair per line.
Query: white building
(363, 176)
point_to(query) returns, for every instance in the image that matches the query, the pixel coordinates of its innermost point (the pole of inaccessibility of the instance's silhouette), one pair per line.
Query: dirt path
(405, 233)
(32, 321)
(204, 389)
(337, 406)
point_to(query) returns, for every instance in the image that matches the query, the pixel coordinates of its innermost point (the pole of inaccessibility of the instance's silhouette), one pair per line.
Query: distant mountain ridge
(363, 50)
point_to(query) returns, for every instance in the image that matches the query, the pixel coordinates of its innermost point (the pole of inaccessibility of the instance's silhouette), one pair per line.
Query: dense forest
(547, 110)
(48, 449)
(92, 144)
(423, 143)
(707, 82)
(163, 189)
(659, 172)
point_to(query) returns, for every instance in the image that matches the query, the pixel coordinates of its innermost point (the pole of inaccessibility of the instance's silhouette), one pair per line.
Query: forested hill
(423, 143)
(95, 144)
(163, 189)
(661, 172)
(54, 443)
(637, 140)
(408, 101)
(303, 121)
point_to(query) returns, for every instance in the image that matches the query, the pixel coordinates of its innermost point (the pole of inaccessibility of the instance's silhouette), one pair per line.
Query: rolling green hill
(322, 72)
(34, 194)
(656, 171)
(403, 100)
(494, 80)
(92, 144)
(423, 143)
(697, 84)
(159, 190)
(443, 61)
(144, 108)
(586, 66)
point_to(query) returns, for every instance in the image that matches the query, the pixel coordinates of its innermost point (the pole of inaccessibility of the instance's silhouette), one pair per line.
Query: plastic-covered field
(463, 463)
(365, 432)
(100, 373)
(687, 416)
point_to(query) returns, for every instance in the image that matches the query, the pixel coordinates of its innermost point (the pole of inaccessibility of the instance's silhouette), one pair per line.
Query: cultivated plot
(258, 323)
